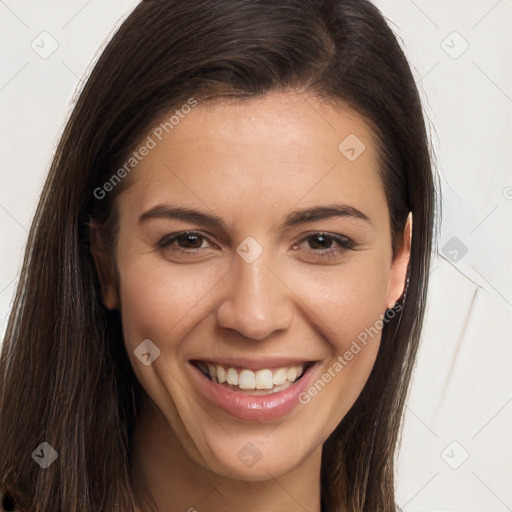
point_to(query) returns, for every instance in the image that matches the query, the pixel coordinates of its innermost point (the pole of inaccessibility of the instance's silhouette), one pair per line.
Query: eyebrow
(294, 218)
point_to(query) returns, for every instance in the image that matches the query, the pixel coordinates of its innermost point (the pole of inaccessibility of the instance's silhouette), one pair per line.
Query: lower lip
(252, 407)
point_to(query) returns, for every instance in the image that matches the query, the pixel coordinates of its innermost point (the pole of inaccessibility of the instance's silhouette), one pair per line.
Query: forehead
(268, 150)
(298, 121)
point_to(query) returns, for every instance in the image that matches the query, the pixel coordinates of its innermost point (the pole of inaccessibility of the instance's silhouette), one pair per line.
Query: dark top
(7, 503)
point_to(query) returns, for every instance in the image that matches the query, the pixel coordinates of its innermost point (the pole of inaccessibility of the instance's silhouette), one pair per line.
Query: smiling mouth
(260, 382)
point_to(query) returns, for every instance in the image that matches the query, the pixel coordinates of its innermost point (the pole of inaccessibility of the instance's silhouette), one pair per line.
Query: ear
(104, 266)
(399, 266)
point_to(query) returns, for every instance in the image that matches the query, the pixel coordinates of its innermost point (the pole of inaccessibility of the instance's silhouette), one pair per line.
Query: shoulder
(7, 503)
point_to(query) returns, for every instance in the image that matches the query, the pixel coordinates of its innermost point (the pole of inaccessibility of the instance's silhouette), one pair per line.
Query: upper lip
(253, 364)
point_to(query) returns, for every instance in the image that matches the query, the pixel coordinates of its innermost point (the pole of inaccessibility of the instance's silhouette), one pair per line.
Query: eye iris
(192, 239)
(322, 242)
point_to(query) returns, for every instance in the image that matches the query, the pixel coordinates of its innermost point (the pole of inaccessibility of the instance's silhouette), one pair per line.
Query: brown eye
(190, 241)
(320, 241)
(319, 247)
(326, 242)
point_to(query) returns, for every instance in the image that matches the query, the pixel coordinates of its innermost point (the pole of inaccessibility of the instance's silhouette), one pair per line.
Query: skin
(251, 163)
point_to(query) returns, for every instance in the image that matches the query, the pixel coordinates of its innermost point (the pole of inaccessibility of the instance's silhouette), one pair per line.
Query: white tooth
(212, 371)
(291, 374)
(221, 374)
(300, 369)
(279, 377)
(264, 379)
(232, 377)
(247, 380)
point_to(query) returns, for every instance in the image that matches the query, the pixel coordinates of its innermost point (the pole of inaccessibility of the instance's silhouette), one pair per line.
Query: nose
(257, 301)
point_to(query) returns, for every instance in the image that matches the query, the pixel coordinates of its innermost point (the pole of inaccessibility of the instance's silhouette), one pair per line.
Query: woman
(225, 279)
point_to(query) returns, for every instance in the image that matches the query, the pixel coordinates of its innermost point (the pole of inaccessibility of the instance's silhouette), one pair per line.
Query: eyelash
(343, 242)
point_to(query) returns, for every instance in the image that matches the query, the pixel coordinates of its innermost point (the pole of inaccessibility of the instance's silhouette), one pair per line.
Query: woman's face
(287, 268)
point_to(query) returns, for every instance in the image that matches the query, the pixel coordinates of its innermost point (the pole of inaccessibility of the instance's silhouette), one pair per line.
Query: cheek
(162, 303)
(157, 298)
(346, 306)
(346, 299)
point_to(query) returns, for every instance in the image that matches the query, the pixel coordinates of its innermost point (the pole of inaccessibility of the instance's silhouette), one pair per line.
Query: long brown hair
(64, 372)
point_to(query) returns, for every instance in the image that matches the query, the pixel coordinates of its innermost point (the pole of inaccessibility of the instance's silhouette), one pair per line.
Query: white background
(456, 452)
